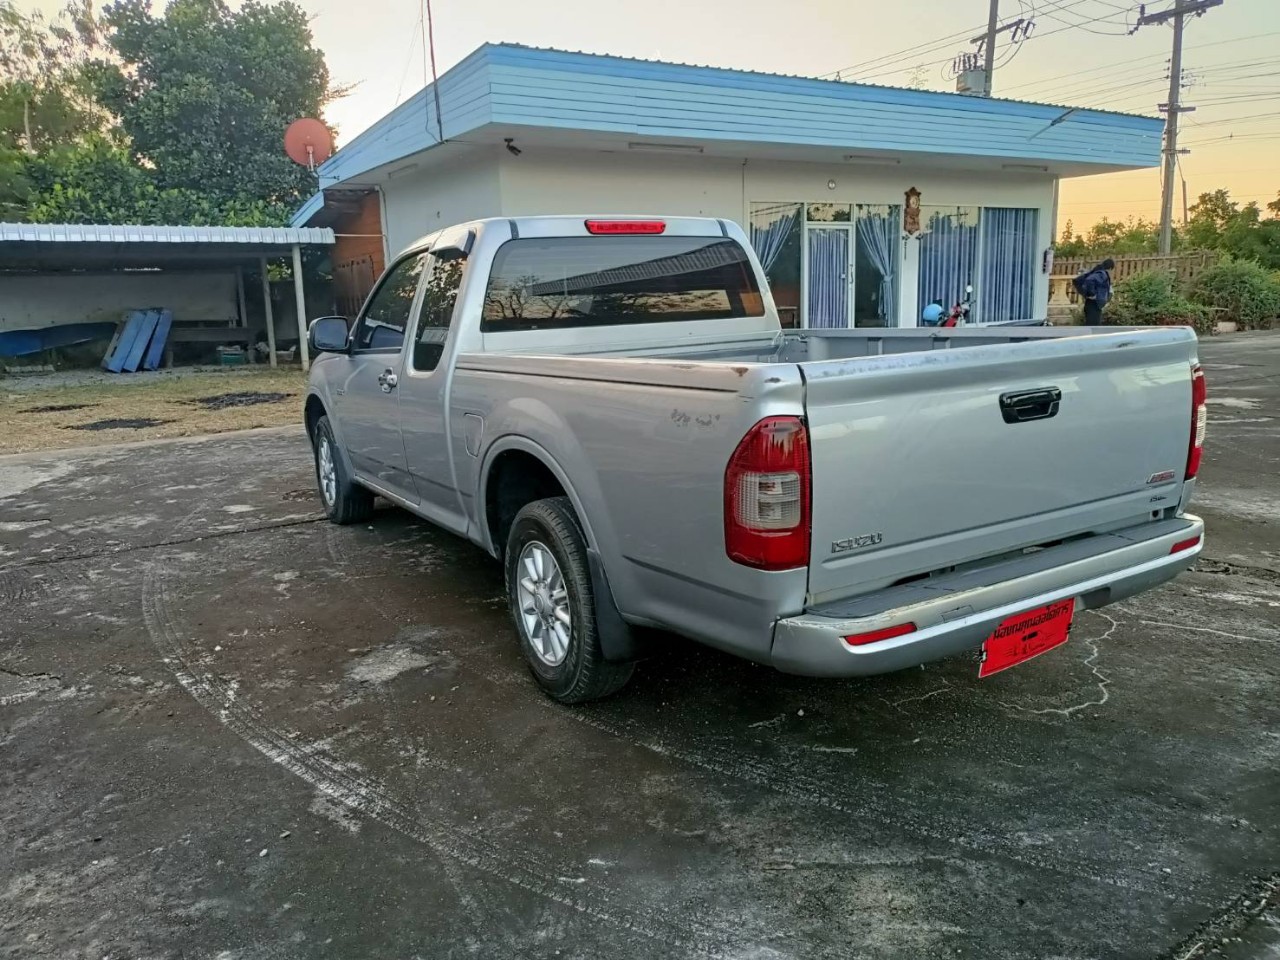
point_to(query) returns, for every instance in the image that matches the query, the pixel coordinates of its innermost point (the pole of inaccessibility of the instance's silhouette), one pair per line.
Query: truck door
(424, 396)
(366, 393)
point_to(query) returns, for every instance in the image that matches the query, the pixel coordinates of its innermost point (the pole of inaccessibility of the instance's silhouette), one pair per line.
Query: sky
(1080, 52)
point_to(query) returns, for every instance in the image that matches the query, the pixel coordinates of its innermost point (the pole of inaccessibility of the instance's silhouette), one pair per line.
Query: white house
(820, 172)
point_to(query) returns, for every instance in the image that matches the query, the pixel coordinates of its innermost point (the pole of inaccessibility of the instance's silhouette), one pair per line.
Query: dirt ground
(54, 411)
(232, 731)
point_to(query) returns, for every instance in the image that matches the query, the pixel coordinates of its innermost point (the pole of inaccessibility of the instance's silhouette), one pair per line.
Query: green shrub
(1249, 294)
(1151, 299)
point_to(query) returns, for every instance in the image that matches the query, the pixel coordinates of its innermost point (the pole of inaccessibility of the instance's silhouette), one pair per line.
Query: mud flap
(618, 642)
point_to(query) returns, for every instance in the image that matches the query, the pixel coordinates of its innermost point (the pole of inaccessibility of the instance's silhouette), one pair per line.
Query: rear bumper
(959, 612)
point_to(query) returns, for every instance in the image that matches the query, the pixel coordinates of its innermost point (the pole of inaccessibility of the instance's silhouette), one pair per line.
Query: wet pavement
(231, 730)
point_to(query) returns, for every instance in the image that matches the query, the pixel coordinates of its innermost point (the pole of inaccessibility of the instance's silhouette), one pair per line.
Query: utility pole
(1018, 30)
(989, 48)
(1178, 14)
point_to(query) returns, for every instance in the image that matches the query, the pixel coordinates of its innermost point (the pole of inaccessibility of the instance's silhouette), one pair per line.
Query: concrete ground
(231, 730)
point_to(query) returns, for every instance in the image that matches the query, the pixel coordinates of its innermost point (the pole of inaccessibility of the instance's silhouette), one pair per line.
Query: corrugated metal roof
(514, 86)
(823, 78)
(135, 233)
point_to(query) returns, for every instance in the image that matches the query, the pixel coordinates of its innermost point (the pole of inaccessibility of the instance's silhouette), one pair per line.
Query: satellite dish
(308, 142)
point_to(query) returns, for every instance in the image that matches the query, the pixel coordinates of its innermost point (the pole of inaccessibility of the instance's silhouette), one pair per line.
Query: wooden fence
(1184, 266)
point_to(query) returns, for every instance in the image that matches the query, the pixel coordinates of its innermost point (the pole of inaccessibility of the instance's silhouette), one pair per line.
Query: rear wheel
(345, 501)
(553, 605)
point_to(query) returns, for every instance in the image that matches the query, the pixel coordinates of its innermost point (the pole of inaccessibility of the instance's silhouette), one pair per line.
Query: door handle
(388, 380)
(1023, 405)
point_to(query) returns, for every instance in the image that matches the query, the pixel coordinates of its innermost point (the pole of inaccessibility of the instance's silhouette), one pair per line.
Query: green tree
(1110, 238)
(1209, 218)
(98, 182)
(205, 93)
(1071, 244)
(1219, 223)
(49, 76)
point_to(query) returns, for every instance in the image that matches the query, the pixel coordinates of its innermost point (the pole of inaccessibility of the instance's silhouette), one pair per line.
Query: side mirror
(328, 335)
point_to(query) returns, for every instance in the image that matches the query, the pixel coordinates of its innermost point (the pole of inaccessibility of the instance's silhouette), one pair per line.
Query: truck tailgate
(918, 465)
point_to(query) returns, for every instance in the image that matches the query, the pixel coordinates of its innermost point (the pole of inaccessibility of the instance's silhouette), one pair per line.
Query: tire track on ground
(369, 797)
(831, 794)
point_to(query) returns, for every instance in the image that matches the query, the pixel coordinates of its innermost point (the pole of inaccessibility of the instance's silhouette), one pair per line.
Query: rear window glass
(563, 282)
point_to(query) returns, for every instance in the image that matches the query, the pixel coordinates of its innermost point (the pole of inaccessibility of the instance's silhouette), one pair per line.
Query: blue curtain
(878, 242)
(948, 254)
(1008, 265)
(770, 224)
(828, 288)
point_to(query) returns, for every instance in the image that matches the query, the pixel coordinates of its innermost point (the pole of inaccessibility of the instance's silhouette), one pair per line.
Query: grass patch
(49, 412)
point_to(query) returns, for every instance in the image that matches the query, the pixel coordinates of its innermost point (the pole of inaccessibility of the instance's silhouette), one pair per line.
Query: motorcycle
(936, 316)
(959, 314)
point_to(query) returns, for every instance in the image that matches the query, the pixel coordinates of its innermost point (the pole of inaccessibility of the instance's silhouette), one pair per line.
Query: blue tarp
(17, 343)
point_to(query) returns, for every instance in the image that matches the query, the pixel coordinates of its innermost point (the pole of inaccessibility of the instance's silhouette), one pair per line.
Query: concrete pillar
(301, 300)
(244, 312)
(271, 320)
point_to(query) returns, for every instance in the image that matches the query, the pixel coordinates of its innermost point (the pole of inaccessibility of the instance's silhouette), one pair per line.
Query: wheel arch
(503, 462)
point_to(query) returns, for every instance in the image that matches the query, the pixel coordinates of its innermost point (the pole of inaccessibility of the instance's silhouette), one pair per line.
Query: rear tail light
(766, 496)
(625, 226)
(858, 639)
(1184, 545)
(1199, 422)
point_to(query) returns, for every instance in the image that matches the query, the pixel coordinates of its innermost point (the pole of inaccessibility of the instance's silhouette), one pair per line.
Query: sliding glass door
(831, 265)
(948, 254)
(827, 275)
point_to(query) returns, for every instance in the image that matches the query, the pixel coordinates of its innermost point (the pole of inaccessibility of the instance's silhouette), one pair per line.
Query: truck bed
(910, 454)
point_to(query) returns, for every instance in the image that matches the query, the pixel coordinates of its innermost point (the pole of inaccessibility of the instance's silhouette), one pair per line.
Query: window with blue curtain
(877, 248)
(776, 229)
(948, 254)
(1007, 290)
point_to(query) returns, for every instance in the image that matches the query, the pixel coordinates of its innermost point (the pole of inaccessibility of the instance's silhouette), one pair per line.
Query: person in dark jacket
(1094, 287)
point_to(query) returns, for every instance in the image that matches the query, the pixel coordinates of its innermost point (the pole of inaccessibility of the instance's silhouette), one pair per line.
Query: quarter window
(387, 313)
(439, 297)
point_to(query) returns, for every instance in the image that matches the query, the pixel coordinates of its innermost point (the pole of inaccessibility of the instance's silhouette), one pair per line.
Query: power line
(1157, 56)
(896, 70)
(1054, 15)
(863, 65)
(858, 71)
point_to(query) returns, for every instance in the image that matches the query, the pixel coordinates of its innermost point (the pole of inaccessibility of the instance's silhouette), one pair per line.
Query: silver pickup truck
(610, 407)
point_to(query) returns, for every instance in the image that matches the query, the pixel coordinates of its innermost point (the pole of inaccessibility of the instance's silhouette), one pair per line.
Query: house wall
(465, 186)
(30, 301)
(358, 253)
(360, 235)
(643, 183)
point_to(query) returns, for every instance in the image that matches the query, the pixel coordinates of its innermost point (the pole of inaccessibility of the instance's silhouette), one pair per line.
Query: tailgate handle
(1024, 405)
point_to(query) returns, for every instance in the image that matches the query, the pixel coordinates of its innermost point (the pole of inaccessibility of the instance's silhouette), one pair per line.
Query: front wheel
(552, 603)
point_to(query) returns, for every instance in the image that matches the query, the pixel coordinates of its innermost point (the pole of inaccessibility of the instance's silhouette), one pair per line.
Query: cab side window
(386, 315)
(439, 297)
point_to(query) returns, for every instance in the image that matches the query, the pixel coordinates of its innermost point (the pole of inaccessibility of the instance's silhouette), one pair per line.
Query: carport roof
(135, 233)
(74, 246)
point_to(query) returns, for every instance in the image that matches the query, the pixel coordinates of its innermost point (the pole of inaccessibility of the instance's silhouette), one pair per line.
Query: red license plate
(1026, 635)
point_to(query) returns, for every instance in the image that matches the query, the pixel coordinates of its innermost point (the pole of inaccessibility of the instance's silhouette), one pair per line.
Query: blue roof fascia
(308, 210)
(411, 127)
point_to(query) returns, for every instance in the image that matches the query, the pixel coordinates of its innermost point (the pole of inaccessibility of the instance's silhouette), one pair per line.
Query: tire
(567, 662)
(344, 500)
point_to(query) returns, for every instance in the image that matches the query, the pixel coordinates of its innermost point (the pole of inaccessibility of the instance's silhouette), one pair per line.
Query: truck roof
(575, 225)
